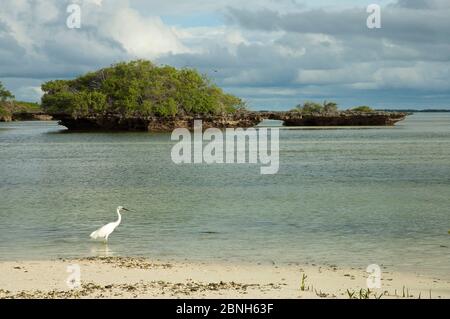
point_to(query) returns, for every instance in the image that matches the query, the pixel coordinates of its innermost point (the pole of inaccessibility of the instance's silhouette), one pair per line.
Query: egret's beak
(127, 209)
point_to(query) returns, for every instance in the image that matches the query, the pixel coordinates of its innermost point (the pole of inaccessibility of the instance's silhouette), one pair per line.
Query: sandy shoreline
(124, 277)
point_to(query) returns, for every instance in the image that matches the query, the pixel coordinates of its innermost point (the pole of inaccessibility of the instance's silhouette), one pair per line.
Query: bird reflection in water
(101, 251)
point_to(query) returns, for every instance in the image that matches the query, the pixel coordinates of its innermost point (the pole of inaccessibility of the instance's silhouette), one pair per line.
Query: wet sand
(123, 277)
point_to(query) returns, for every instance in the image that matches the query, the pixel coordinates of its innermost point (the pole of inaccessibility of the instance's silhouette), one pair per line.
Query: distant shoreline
(414, 110)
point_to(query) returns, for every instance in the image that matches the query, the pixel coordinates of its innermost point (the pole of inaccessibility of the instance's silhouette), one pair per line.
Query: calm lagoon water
(350, 197)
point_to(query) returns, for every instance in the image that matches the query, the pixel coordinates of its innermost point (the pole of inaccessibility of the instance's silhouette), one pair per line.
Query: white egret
(104, 231)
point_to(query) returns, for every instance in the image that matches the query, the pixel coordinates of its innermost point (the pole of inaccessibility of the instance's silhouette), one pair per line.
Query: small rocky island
(140, 96)
(240, 119)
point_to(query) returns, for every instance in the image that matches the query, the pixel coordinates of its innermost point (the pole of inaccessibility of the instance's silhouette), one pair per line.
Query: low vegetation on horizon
(138, 88)
(327, 107)
(314, 107)
(363, 108)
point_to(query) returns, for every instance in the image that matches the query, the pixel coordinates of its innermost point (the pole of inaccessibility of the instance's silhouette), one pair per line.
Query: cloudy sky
(274, 54)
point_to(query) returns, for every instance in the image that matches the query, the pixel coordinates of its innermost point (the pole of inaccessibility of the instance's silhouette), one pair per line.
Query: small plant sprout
(302, 285)
(350, 293)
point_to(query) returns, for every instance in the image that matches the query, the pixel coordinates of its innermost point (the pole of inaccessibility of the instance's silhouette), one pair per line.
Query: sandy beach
(123, 277)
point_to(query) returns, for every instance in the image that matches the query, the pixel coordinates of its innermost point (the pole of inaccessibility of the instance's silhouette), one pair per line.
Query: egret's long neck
(119, 219)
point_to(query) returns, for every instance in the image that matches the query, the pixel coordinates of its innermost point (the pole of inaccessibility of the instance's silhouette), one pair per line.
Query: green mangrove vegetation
(5, 95)
(138, 88)
(5, 101)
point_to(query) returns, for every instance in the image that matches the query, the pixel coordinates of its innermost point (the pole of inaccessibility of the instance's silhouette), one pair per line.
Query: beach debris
(128, 262)
(92, 290)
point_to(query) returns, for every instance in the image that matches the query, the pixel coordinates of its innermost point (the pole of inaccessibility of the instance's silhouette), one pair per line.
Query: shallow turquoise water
(344, 196)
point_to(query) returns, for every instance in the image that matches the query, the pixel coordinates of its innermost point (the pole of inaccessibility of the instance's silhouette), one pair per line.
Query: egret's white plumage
(104, 231)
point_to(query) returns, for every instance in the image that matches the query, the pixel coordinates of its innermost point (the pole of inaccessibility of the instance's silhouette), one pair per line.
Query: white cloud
(30, 93)
(142, 37)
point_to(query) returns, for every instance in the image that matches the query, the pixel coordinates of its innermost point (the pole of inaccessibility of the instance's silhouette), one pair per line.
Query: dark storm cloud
(398, 23)
(422, 4)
